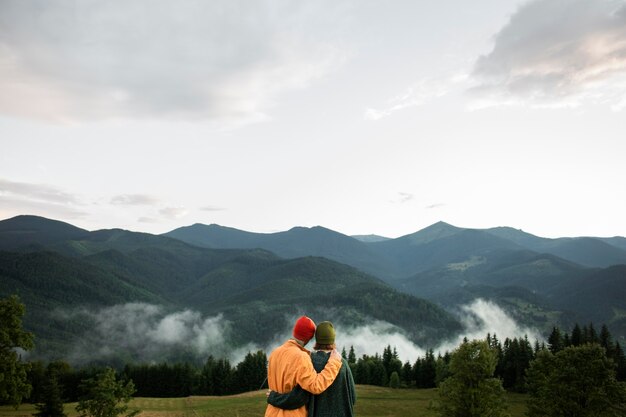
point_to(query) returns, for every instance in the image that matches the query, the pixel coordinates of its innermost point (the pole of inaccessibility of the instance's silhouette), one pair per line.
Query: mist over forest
(118, 296)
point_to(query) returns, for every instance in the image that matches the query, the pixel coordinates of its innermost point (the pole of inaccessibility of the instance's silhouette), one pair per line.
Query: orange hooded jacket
(290, 364)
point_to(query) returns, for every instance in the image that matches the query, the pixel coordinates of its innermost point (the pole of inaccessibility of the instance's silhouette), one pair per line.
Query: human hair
(324, 347)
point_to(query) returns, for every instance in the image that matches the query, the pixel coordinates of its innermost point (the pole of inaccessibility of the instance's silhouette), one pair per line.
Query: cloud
(42, 199)
(149, 220)
(219, 61)
(148, 332)
(134, 200)
(15, 206)
(405, 197)
(555, 53)
(368, 339)
(418, 94)
(434, 206)
(375, 337)
(37, 192)
(173, 213)
(212, 208)
(481, 317)
(145, 332)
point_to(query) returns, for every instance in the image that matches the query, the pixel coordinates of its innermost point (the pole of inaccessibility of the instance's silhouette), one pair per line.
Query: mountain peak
(26, 230)
(435, 231)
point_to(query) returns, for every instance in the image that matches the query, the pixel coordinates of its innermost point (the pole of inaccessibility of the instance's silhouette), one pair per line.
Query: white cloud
(212, 208)
(405, 197)
(134, 200)
(37, 192)
(556, 53)
(375, 337)
(218, 61)
(481, 317)
(146, 332)
(416, 95)
(173, 213)
(40, 199)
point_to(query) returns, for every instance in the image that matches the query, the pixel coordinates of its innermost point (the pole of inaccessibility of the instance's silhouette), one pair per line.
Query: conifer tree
(605, 338)
(351, 355)
(51, 403)
(577, 336)
(555, 340)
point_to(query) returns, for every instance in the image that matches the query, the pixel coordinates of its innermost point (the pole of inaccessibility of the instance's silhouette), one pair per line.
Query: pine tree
(620, 361)
(555, 340)
(428, 371)
(407, 374)
(605, 338)
(351, 355)
(51, 403)
(577, 336)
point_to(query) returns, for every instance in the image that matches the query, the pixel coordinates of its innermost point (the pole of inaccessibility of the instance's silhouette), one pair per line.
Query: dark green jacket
(337, 401)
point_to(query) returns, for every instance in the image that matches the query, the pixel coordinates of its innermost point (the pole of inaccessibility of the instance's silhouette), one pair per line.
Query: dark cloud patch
(557, 52)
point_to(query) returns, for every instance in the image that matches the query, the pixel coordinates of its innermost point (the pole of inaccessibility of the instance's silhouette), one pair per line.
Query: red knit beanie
(304, 329)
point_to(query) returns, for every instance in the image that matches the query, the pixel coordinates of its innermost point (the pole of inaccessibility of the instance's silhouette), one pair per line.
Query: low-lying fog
(148, 332)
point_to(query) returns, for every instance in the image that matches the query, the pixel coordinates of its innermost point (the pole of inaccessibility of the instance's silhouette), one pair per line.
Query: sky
(362, 116)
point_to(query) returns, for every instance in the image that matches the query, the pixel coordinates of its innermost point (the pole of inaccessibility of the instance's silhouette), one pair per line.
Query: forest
(591, 362)
(219, 377)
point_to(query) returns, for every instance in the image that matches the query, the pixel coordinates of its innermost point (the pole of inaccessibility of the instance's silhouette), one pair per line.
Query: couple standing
(309, 384)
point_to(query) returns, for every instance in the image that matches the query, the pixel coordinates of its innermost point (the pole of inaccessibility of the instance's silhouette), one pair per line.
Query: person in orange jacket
(290, 365)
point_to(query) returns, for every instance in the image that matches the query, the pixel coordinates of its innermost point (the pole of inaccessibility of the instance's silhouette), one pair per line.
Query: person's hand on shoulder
(335, 355)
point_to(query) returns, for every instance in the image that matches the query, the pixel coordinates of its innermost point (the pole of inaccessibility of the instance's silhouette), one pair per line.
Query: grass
(371, 401)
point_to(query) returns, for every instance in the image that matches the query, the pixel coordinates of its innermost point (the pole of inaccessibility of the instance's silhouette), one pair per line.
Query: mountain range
(258, 281)
(57, 268)
(540, 281)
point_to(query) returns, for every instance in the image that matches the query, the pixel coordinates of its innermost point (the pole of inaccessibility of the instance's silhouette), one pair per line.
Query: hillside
(254, 290)
(587, 251)
(294, 243)
(22, 231)
(452, 265)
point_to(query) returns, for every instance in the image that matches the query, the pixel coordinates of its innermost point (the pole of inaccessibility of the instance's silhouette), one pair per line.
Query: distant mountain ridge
(260, 276)
(401, 257)
(451, 265)
(253, 289)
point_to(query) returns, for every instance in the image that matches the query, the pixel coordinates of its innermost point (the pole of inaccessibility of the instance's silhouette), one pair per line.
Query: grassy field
(371, 401)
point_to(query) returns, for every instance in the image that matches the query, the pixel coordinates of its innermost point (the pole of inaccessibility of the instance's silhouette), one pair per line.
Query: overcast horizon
(363, 117)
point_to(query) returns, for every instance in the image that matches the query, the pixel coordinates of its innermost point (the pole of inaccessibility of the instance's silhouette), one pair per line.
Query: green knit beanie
(325, 333)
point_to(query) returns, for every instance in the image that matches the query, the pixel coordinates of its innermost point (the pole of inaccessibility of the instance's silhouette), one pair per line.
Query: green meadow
(371, 401)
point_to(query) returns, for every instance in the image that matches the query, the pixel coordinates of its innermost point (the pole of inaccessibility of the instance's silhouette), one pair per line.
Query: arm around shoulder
(316, 383)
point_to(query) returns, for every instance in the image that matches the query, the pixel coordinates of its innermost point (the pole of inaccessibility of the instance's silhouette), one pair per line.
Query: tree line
(581, 370)
(217, 376)
(513, 359)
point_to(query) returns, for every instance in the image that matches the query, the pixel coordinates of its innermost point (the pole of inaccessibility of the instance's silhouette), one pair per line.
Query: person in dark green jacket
(338, 400)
